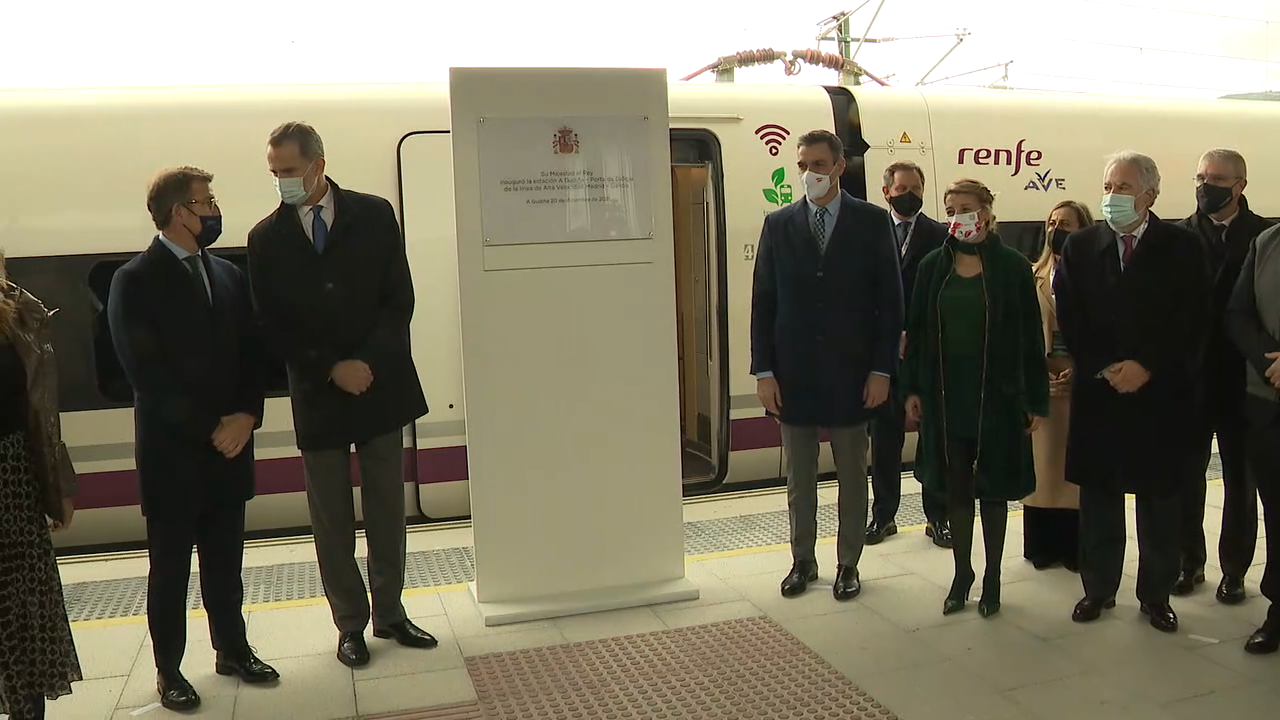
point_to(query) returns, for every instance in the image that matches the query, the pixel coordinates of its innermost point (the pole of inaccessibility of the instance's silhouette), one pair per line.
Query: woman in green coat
(976, 381)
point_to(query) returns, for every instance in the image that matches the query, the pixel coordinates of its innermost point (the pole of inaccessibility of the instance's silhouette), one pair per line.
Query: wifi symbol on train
(772, 136)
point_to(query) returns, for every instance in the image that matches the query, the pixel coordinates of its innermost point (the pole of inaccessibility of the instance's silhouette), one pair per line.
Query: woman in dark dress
(37, 654)
(1051, 514)
(976, 381)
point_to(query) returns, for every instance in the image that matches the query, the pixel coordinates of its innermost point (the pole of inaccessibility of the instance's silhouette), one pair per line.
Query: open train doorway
(702, 342)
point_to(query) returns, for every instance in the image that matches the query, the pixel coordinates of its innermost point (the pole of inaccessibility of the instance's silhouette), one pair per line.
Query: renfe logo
(1016, 157)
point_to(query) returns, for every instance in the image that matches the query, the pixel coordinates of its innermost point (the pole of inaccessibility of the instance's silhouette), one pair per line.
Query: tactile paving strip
(734, 670)
(127, 597)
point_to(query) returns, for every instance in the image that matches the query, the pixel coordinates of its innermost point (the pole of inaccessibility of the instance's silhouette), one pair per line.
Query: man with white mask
(330, 279)
(1133, 301)
(826, 323)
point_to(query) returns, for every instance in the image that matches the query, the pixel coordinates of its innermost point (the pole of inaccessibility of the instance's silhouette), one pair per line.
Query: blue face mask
(210, 230)
(293, 191)
(1118, 210)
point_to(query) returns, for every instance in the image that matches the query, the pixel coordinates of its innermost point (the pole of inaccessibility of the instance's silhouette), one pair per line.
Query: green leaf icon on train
(780, 193)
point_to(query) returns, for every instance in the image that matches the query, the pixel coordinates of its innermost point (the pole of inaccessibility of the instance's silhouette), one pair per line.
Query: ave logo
(1046, 182)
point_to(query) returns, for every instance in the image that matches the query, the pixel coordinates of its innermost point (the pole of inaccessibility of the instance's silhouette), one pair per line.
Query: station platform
(740, 651)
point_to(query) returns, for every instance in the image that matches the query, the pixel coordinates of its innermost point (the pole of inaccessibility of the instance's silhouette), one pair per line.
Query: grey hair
(1148, 173)
(309, 143)
(1230, 158)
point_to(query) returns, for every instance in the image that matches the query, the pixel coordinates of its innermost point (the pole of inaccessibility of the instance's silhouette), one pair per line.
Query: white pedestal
(568, 327)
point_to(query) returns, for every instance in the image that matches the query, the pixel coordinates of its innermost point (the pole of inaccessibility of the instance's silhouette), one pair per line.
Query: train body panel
(75, 165)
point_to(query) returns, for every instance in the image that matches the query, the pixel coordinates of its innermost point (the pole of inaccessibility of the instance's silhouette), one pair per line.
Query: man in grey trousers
(826, 321)
(331, 283)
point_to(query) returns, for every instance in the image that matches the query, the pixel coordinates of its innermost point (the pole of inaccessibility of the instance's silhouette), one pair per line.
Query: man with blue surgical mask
(826, 328)
(331, 281)
(1133, 306)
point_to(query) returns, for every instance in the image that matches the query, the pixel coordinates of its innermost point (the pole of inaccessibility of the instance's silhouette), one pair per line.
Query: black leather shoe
(1162, 616)
(246, 666)
(1265, 641)
(847, 584)
(1090, 609)
(1188, 579)
(797, 581)
(407, 634)
(352, 651)
(1231, 590)
(878, 531)
(175, 692)
(940, 533)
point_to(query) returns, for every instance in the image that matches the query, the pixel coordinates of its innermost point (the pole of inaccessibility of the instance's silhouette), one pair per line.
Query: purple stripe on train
(435, 465)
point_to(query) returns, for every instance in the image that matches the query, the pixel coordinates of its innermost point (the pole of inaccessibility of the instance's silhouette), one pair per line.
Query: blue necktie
(319, 231)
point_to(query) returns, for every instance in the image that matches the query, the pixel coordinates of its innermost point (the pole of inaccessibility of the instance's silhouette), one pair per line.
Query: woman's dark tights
(960, 511)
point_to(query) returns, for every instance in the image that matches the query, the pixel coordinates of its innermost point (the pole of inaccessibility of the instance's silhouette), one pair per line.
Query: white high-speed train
(74, 167)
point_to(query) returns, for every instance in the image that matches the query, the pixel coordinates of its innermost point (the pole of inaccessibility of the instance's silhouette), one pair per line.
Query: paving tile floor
(1029, 662)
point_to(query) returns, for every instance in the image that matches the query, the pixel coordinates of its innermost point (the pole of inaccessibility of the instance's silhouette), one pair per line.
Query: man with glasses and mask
(331, 281)
(917, 235)
(182, 323)
(1227, 227)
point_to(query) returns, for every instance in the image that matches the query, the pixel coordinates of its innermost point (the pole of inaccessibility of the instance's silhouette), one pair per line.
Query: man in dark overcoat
(1227, 227)
(917, 235)
(1133, 306)
(826, 327)
(182, 324)
(331, 281)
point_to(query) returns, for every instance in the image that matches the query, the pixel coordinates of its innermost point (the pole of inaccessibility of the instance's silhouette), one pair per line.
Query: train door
(700, 305)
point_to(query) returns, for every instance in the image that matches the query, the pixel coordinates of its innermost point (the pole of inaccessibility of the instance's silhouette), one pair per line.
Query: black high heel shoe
(990, 603)
(959, 594)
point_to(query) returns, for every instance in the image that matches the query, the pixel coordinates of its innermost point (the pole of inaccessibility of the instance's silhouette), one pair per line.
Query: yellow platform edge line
(459, 587)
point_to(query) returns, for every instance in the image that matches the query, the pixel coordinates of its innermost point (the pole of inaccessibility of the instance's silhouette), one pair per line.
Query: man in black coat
(826, 328)
(1226, 228)
(1253, 324)
(917, 235)
(182, 324)
(331, 281)
(1133, 306)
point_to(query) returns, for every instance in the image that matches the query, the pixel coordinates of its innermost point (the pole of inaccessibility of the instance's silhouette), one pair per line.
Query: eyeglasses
(1216, 179)
(212, 202)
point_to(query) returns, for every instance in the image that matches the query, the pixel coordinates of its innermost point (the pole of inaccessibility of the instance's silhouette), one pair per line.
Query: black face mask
(906, 205)
(210, 230)
(1057, 240)
(1212, 198)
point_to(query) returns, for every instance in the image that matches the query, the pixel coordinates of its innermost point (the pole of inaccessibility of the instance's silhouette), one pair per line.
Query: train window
(1026, 237)
(89, 373)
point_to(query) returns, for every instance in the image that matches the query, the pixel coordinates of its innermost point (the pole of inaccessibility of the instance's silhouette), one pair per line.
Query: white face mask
(816, 186)
(963, 227)
(293, 191)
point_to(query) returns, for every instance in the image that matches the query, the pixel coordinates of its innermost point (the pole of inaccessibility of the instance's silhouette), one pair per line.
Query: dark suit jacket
(1156, 313)
(1224, 371)
(190, 363)
(927, 235)
(351, 302)
(823, 322)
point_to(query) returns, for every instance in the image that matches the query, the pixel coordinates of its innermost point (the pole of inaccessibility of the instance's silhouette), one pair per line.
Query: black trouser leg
(1158, 519)
(1191, 542)
(1239, 537)
(1263, 453)
(220, 543)
(169, 544)
(1102, 540)
(887, 438)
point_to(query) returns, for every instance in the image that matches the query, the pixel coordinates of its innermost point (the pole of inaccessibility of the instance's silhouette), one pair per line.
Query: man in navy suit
(917, 235)
(181, 321)
(826, 326)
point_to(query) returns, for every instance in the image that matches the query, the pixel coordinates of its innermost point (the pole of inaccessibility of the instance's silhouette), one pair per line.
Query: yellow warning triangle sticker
(905, 138)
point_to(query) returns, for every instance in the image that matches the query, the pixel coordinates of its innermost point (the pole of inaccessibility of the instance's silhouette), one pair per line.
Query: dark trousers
(888, 435)
(217, 534)
(1239, 506)
(1263, 460)
(333, 524)
(1103, 538)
